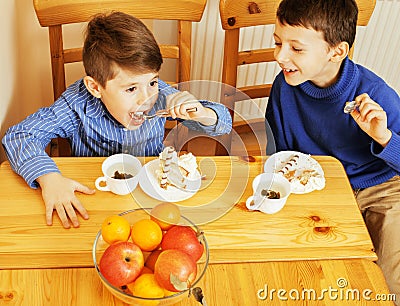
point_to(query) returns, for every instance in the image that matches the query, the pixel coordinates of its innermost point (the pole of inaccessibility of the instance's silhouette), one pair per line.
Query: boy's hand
(58, 193)
(178, 104)
(372, 119)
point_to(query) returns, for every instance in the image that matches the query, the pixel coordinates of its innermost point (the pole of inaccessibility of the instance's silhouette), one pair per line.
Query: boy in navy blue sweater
(306, 113)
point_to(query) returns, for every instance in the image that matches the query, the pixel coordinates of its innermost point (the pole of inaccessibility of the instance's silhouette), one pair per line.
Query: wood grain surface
(320, 282)
(322, 224)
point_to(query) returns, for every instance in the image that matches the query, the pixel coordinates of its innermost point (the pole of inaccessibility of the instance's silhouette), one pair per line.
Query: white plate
(150, 185)
(276, 162)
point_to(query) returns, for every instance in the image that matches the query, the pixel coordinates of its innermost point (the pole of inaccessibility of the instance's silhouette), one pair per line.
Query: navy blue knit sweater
(311, 120)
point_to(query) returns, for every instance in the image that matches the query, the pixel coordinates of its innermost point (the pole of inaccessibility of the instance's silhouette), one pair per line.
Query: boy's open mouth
(137, 118)
(289, 71)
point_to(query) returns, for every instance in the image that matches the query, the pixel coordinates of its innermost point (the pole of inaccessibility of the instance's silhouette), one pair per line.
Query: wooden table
(324, 224)
(240, 284)
(250, 252)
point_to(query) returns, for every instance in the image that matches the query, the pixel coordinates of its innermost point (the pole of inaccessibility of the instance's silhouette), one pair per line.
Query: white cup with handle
(120, 174)
(270, 192)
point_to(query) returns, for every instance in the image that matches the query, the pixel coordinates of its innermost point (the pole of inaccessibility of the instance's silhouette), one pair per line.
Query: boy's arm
(223, 124)
(26, 153)
(390, 153)
(216, 119)
(25, 145)
(378, 116)
(25, 142)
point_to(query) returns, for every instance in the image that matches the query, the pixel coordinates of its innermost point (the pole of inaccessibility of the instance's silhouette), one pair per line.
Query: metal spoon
(349, 107)
(159, 113)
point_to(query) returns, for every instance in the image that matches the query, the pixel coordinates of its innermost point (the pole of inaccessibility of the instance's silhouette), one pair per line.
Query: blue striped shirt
(92, 131)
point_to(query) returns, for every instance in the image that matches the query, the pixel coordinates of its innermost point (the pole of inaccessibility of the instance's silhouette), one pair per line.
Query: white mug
(268, 181)
(125, 164)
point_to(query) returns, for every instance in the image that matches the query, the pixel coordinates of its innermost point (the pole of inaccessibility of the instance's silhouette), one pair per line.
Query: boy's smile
(304, 55)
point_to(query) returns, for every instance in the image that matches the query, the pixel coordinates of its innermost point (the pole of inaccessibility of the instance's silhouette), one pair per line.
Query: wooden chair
(238, 14)
(56, 13)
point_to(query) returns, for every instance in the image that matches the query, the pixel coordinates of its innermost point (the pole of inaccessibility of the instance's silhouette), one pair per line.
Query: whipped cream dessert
(302, 174)
(308, 180)
(176, 170)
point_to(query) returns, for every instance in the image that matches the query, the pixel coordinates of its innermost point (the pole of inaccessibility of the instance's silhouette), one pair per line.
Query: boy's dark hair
(119, 39)
(336, 19)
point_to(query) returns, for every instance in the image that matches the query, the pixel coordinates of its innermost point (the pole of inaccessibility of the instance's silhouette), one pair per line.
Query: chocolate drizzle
(166, 168)
(288, 169)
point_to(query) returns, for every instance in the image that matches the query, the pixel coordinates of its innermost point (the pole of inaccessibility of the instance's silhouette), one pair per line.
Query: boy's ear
(92, 86)
(340, 52)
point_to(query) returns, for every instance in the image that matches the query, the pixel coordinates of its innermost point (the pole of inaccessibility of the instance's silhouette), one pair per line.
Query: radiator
(377, 47)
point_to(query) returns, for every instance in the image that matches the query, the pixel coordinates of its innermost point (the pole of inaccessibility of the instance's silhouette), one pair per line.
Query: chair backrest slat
(55, 12)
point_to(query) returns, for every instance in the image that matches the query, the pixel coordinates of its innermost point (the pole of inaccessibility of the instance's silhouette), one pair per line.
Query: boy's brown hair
(119, 39)
(336, 19)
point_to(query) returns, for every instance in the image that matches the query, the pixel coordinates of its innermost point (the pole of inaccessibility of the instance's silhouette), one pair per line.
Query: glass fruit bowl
(122, 293)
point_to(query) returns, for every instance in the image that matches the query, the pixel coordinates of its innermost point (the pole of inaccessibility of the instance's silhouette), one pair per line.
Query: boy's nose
(145, 95)
(281, 55)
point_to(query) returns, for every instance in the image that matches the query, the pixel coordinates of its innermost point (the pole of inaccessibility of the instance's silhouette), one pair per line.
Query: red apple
(175, 270)
(121, 263)
(150, 262)
(183, 238)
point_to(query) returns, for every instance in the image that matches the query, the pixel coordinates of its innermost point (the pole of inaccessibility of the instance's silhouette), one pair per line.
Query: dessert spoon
(159, 113)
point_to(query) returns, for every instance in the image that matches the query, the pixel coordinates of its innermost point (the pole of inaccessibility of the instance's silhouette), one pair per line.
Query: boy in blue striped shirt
(97, 113)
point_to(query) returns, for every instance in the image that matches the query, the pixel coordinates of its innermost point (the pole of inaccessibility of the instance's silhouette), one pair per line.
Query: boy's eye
(297, 49)
(153, 83)
(278, 44)
(131, 89)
